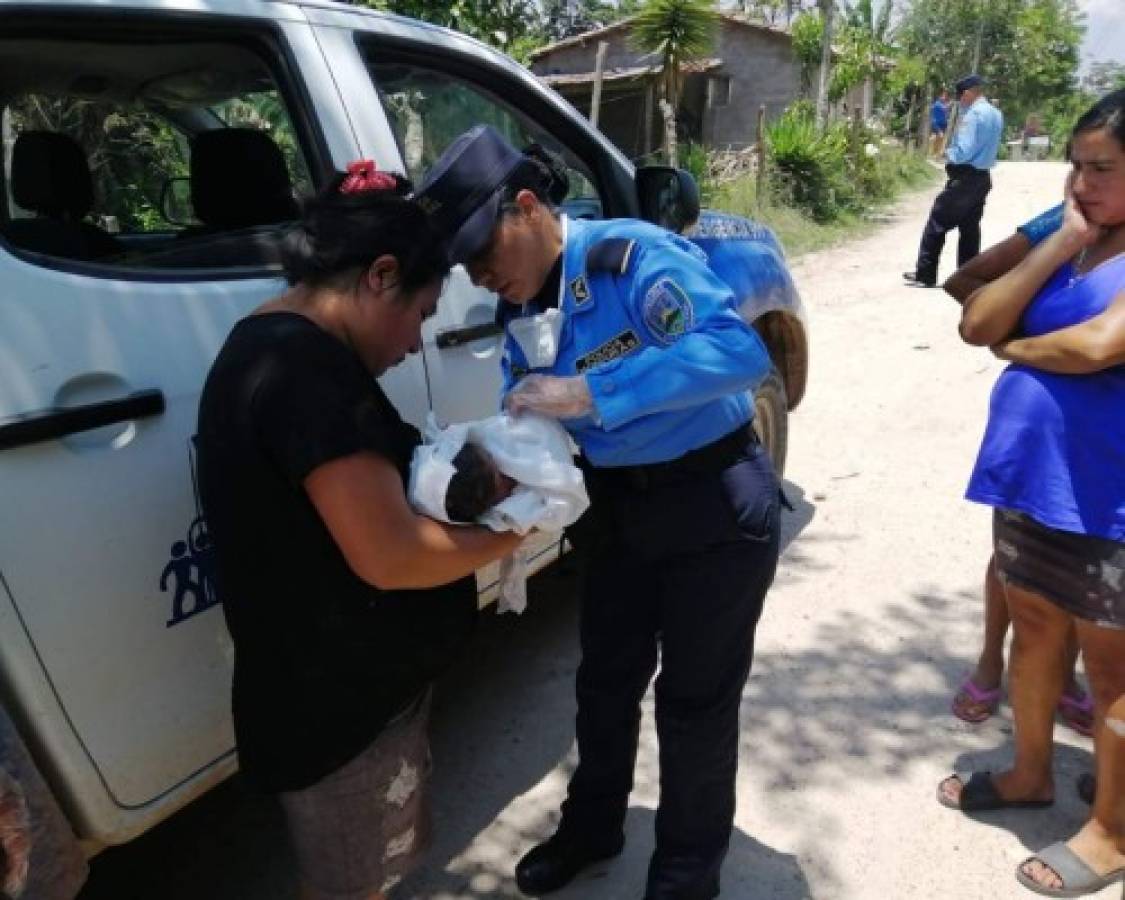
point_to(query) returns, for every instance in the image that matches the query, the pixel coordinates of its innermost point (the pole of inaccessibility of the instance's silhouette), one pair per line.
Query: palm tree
(679, 31)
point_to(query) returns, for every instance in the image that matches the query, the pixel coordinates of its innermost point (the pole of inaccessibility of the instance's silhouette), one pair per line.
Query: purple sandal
(1077, 712)
(968, 696)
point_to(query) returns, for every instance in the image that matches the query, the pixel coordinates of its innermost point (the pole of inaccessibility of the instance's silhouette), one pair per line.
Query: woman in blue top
(980, 692)
(1052, 464)
(620, 330)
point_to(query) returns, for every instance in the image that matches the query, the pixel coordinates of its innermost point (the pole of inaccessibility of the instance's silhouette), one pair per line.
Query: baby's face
(502, 485)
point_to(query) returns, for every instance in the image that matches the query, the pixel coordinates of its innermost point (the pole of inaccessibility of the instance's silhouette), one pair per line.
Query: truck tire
(771, 419)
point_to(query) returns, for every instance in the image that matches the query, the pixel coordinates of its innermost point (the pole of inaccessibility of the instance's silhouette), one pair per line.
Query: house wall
(762, 69)
(759, 63)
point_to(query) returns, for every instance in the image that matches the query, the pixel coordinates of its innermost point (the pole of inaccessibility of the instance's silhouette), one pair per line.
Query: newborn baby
(476, 486)
(510, 474)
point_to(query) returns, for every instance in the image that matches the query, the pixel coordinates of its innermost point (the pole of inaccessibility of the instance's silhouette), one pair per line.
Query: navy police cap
(462, 191)
(969, 81)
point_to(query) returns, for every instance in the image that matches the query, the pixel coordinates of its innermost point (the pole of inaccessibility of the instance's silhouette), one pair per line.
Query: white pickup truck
(152, 151)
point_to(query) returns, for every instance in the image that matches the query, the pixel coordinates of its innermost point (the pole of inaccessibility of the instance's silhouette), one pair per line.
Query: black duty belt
(708, 459)
(960, 170)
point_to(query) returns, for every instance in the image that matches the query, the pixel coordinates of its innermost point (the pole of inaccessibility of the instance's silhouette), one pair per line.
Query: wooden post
(649, 115)
(599, 69)
(760, 189)
(826, 7)
(910, 122)
(856, 138)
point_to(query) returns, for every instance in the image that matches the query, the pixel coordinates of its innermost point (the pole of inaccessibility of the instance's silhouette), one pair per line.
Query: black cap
(462, 191)
(969, 81)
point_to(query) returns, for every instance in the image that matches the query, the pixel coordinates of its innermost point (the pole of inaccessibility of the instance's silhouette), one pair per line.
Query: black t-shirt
(323, 660)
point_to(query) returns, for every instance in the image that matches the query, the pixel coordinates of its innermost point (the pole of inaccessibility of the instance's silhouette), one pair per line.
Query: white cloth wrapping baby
(535, 452)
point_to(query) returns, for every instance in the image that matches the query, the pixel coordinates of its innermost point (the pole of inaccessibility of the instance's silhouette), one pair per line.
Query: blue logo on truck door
(190, 574)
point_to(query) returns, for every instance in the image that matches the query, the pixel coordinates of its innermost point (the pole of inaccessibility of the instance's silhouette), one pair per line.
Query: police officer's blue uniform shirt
(1043, 225)
(978, 136)
(666, 356)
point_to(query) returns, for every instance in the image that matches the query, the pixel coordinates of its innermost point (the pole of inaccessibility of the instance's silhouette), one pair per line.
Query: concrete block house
(751, 64)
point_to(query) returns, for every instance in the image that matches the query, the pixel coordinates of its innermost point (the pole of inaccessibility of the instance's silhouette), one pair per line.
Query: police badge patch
(667, 311)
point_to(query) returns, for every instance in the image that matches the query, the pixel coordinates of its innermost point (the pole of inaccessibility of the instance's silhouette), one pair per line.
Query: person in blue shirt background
(939, 121)
(637, 348)
(969, 157)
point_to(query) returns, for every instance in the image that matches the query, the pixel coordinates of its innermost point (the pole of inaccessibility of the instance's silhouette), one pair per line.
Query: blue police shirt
(978, 136)
(667, 358)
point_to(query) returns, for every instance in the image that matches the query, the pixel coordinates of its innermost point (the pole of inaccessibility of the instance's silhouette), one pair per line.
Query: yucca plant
(679, 31)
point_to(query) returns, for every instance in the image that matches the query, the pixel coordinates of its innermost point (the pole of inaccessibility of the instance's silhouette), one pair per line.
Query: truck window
(182, 155)
(428, 108)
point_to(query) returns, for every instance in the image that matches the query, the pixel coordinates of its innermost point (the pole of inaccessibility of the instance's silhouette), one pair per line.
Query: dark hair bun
(343, 232)
(552, 171)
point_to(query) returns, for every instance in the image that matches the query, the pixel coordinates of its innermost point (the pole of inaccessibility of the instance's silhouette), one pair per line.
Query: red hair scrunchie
(363, 176)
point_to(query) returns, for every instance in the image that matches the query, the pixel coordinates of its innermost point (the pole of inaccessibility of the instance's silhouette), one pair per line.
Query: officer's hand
(549, 395)
(15, 836)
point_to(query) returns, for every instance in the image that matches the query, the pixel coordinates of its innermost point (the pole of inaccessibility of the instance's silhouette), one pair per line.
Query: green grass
(897, 170)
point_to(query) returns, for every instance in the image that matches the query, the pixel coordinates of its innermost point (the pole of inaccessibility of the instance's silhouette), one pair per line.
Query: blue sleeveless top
(1054, 447)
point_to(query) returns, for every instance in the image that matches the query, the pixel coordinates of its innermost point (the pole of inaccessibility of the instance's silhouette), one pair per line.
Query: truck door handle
(458, 337)
(50, 424)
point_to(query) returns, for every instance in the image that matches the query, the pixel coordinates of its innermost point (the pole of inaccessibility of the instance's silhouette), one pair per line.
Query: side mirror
(175, 201)
(668, 197)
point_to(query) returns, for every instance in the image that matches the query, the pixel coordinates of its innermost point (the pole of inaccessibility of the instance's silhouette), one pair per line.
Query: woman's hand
(550, 395)
(1079, 232)
(1001, 351)
(15, 836)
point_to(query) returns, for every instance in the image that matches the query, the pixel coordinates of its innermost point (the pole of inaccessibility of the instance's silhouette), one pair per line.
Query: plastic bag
(535, 452)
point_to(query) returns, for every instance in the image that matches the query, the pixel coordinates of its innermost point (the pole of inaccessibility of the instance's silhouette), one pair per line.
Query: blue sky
(1105, 30)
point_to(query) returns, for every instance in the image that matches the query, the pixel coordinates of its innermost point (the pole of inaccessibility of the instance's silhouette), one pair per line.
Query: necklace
(1079, 262)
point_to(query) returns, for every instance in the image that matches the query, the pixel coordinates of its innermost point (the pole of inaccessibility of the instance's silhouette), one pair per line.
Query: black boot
(554, 863)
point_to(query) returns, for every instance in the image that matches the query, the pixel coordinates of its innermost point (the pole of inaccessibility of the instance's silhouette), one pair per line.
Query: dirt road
(874, 617)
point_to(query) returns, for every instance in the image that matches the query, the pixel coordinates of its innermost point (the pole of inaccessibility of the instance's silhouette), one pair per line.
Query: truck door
(110, 316)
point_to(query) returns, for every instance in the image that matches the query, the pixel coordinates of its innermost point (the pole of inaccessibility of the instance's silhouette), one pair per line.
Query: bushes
(836, 171)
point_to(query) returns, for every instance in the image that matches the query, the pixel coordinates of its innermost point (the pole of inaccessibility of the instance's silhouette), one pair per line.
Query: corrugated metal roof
(579, 39)
(696, 66)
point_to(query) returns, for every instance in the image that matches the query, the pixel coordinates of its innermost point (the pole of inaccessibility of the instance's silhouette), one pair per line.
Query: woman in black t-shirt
(342, 602)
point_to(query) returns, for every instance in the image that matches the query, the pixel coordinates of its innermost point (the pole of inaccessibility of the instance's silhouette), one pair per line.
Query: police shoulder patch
(610, 255)
(667, 311)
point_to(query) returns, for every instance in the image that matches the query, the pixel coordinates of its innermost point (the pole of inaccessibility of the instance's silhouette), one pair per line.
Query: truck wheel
(771, 418)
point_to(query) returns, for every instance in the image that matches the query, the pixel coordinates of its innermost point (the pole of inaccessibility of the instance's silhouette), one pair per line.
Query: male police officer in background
(961, 204)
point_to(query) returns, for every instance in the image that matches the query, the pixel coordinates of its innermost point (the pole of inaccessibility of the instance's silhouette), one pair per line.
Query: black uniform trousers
(960, 205)
(682, 564)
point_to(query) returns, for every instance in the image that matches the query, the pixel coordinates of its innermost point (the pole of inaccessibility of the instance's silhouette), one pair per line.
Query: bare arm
(1093, 345)
(362, 502)
(997, 260)
(992, 313)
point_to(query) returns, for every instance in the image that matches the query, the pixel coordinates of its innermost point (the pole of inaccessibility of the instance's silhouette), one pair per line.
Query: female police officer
(620, 330)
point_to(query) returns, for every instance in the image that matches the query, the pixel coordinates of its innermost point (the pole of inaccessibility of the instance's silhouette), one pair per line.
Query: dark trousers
(683, 567)
(960, 205)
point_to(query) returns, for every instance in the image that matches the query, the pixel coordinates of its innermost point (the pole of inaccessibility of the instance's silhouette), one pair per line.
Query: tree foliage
(514, 26)
(808, 31)
(776, 12)
(678, 31)
(1028, 48)
(1103, 77)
